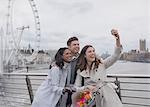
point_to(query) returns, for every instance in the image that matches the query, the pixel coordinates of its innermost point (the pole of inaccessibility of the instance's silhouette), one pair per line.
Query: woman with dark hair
(51, 91)
(91, 78)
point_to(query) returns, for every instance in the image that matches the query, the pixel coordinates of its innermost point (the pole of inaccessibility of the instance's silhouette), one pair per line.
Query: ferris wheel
(11, 42)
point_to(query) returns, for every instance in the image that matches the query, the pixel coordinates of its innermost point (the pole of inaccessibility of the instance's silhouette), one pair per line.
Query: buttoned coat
(110, 98)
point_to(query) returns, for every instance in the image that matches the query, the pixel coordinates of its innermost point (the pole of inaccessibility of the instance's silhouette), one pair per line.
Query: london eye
(15, 33)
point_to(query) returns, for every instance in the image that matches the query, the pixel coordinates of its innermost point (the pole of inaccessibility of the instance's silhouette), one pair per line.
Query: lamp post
(1, 51)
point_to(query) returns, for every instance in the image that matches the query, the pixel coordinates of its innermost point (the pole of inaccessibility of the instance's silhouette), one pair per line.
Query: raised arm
(116, 55)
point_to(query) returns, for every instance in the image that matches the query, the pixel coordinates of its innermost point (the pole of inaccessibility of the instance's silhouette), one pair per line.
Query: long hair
(59, 57)
(82, 62)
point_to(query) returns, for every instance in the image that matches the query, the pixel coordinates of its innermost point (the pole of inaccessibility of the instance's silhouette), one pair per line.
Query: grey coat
(73, 72)
(50, 91)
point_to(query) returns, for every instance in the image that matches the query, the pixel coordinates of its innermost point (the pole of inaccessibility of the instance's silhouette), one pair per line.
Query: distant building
(141, 55)
(43, 57)
(142, 45)
(51, 53)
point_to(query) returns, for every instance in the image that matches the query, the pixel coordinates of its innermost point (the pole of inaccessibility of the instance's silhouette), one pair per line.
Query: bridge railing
(18, 89)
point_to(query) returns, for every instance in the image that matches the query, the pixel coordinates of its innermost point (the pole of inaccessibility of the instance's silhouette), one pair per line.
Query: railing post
(29, 87)
(1, 86)
(118, 90)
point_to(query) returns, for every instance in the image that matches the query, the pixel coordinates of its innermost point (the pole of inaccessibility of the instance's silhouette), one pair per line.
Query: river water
(123, 67)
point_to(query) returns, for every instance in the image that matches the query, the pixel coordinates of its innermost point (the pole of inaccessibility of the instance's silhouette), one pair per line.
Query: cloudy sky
(90, 20)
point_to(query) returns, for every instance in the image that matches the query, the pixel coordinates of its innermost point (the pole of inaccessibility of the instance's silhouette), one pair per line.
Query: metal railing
(18, 89)
(134, 90)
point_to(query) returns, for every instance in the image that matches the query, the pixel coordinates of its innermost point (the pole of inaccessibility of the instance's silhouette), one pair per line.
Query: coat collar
(85, 73)
(75, 56)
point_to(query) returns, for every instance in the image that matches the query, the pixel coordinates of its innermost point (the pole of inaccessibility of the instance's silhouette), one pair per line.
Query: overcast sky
(89, 20)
